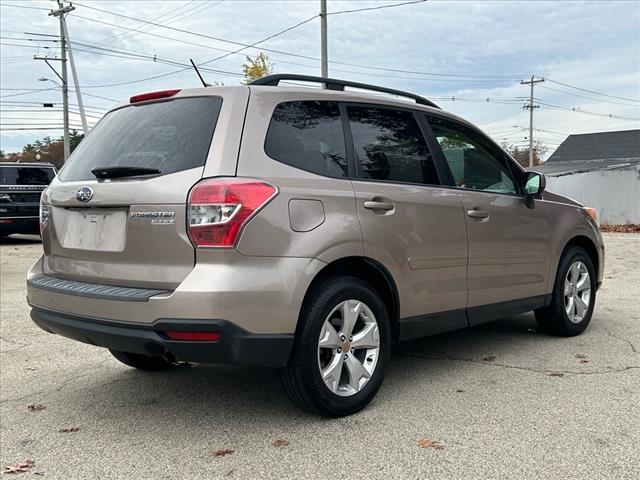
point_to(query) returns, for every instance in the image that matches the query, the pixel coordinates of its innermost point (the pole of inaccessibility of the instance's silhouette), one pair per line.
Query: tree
(258, 67)
(521, 154)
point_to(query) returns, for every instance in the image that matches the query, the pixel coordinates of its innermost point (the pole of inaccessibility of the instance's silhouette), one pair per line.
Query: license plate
(96, 229)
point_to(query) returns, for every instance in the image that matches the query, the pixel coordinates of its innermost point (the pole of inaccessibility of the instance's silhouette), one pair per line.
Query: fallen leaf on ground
(425, 443)
(459, 391)
(556, 374)
(231, 472)
(223, 452)
(581, 355)
(21, 467)
(68, 430)
(280, 443)
(489, 358)
(36, 407)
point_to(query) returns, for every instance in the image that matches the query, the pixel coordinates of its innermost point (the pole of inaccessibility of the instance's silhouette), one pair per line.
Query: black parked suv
(20, 187)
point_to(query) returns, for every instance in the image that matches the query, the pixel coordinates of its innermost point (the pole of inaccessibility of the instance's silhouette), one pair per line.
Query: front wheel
(142, 362)
(342, 347)
(574, 296)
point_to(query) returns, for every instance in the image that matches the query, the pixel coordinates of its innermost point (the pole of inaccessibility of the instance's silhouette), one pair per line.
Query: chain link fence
(614, 192)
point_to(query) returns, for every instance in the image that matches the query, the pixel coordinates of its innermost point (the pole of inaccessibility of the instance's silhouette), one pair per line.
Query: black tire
(142, 362)
(554, 319)
(302, 378)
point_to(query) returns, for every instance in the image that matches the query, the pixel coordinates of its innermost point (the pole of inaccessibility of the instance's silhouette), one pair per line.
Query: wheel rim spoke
(569, 307)
(350, 313)
(329, 338)
(356, 372)
(581, 306)
(332, 373)
(368, 337)
(583, 283)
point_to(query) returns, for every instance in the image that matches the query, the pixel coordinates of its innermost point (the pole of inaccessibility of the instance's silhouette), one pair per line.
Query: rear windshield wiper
(122, 172)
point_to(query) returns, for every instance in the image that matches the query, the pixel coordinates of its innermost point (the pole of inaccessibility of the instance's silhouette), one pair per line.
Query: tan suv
(301, 228)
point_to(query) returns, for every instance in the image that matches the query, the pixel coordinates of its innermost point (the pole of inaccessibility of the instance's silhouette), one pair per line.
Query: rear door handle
(478, 214)
(373, 205)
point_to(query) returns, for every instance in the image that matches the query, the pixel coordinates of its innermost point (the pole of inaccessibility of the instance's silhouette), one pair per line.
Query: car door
(509, 242)
(411, 225)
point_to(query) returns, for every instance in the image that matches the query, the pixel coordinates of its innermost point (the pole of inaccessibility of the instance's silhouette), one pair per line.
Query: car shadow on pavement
(20, 240)
(237, 397)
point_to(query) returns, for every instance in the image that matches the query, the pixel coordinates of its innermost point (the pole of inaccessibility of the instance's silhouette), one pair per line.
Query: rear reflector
(194, 336)
(5, 220)
(153, 95)
(220, 207)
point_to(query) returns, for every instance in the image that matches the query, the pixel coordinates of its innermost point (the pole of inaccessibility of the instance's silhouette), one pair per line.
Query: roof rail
(335, 84)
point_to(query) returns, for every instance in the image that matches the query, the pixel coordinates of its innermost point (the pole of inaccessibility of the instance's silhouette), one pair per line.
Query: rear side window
(10, 175)
(308, 135)
(169, 136)
(390, 146)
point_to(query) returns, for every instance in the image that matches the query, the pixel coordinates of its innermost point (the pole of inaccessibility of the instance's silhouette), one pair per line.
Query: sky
(468, 57)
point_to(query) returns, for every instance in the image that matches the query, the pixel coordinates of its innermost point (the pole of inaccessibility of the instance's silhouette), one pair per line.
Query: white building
(600, 170)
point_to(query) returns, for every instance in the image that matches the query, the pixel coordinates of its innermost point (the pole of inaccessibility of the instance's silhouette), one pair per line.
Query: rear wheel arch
(372, 272)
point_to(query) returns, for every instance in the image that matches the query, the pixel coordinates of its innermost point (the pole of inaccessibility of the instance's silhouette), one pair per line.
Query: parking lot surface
(497, 401)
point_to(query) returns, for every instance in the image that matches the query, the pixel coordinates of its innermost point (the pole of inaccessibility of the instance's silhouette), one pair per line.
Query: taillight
(153, 95)
(44, 211)
(220, 207)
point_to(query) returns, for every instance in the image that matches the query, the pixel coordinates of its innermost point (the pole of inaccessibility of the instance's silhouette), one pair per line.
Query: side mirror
(534, 184)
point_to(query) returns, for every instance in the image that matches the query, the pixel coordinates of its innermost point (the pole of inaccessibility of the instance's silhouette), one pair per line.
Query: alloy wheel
(348, 348)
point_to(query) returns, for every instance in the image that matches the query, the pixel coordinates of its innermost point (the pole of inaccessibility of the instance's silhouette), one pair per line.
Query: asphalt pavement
(498, 401)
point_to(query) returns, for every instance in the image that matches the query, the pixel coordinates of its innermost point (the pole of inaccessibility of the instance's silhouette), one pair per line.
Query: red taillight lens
(44, 212)
(153, 95)
(220, 207)
(194, 336)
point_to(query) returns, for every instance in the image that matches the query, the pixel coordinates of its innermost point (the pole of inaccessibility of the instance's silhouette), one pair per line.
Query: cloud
(595, 45)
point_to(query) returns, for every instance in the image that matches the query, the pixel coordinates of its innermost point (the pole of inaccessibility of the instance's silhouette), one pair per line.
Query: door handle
(477, 214)
(373, 205)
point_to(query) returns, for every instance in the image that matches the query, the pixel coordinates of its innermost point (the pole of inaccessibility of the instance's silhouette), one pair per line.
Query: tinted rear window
(308, 135)
(389, 146)
(170, 136)
(26, 175)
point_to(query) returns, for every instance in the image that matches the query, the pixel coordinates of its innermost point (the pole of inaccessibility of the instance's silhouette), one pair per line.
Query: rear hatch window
(169, 136)
(10, 175)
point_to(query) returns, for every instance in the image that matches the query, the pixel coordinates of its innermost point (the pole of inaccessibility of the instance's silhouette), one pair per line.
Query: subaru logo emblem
(84, 194)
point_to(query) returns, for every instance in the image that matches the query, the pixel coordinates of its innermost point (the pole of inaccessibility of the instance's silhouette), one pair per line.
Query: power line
(590, 98)
(512, 77)
(380, 7)
(23, 6)
(588, 112)
(592, 91)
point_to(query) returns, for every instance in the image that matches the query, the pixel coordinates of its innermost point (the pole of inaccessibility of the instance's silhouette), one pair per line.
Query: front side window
(389, 146)
(474, 162)
(308, 135)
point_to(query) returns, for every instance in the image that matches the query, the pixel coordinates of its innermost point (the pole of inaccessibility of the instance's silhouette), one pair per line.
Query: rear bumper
(236, 346)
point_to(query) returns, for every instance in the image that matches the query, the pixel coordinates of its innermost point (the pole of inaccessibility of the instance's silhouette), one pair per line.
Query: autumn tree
(521, 154)
(257, 67)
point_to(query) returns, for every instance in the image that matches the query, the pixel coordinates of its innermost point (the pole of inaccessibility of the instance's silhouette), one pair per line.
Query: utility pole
(323, 39)
(65, 88)
(530, 106)
(76, 83)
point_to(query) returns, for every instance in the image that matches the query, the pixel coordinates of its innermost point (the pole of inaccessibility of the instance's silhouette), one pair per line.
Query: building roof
(594, 151)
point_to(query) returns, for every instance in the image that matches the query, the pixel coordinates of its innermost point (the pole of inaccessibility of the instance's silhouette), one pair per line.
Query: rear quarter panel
(334, 235)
